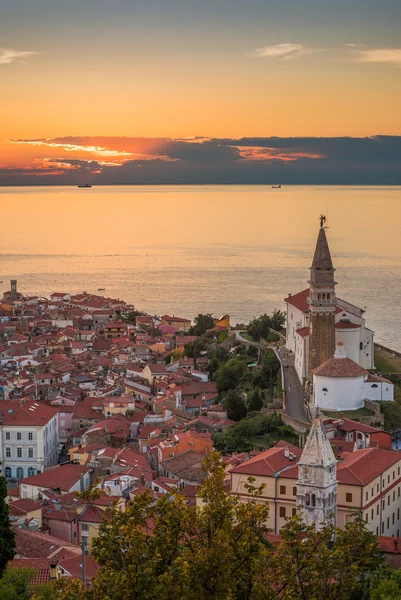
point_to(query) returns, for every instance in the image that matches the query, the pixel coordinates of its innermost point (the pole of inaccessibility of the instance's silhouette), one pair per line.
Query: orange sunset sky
(101, 88)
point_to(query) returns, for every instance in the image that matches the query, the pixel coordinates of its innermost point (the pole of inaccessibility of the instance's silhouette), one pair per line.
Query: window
(18, 435)
(294, 491)
(382, 527)
(377, 487)
(7, 472)
(8, 436)
(393, 475)
(374, 385)
(307, 499)
(62, 422)
(294, 512)
(398, 470)
(85, 526)
(367, 495)
(20, 473)
(19, 452)
(372, 514)
(388, 479)
(313, 500)
(377, 531)
(377, 509)
(283, 489)
(388, 500)
(388, 522)
(384, 504)
(282, 511)
(30, 436)
(393, 518)
(372, 492)
(30, 452)
(394, 496)
(8, 452)
(62, 432)
(348, 497)
(398, 513)
(324, 390)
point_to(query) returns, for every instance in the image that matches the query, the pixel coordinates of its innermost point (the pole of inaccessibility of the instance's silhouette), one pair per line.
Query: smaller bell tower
(317, 479)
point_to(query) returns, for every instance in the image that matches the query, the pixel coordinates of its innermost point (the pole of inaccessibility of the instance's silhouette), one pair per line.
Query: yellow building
(223, 321)
(368, 484)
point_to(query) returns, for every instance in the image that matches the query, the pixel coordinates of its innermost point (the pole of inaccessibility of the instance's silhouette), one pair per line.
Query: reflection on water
(179, 249)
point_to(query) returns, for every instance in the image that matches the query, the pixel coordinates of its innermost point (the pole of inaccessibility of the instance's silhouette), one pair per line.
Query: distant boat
(85, 185)
(101, 289)
(276, 187)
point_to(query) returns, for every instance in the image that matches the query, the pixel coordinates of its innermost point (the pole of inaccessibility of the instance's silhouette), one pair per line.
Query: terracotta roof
(33, 544)
(73, 566)
(349, 425)
(175, 319)
(58, 515)
(339, 367)
(363, 466)
(39, 565)
(23, 506)
(267, 463)
(347, 325)
(91, 514)
(390, 545)
(303, 331)
(62, 477)
(27, 413)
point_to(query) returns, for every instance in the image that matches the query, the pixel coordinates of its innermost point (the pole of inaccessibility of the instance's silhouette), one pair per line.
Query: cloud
(7, 55)
(282, 51)
(247, 160)
(380, 55)
(70, 147)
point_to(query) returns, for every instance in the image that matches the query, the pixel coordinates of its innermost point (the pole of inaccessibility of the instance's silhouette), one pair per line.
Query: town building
(28, 437)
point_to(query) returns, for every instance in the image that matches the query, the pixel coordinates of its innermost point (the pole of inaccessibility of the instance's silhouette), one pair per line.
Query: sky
(182, 91)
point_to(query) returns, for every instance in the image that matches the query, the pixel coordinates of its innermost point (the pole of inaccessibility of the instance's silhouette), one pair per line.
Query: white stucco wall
(343, 393)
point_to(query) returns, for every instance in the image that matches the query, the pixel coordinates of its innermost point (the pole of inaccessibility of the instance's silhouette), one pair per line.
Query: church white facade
(350, 329)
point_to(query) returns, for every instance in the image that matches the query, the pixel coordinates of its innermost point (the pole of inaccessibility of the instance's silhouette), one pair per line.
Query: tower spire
(317, 481)
(322, 303)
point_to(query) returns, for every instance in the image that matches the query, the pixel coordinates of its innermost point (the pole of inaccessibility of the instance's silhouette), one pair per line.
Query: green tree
(7, 537)
(229, 375)
(310, 564)
(202, 323)
(14, 584)
(386, 590)
(255, 400)
(260, 328)
(235, 405)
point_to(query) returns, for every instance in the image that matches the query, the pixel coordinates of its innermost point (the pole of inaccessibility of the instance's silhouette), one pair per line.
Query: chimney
(287, 452)
(53, 569)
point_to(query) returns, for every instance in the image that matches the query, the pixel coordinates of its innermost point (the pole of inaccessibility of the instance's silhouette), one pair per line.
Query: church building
(317, 319)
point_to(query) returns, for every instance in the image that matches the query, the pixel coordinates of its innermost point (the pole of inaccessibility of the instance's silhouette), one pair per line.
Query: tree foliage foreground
(220, 551)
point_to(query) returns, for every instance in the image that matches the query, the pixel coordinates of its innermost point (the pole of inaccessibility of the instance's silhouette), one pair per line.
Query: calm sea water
(185, 250)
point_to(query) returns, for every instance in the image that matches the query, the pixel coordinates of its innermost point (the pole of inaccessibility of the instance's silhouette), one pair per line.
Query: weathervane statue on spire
(322, 220)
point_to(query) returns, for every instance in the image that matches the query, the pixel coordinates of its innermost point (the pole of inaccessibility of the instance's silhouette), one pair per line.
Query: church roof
(339, 367)
(300, 301)
(317, 449)
(322, 258)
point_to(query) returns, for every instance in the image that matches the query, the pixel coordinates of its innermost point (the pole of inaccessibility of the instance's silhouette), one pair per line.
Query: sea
(183, 250)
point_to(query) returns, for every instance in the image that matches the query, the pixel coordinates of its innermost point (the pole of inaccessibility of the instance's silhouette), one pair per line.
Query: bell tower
(317, 478)
(322, 303)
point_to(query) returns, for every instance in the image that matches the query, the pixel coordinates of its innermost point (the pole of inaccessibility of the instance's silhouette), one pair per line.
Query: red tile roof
(62, 477)
(347, 325)
(363, 466)
(339, 367)
(26, 413)
(267, 463)
(303, 331)
(33, 544)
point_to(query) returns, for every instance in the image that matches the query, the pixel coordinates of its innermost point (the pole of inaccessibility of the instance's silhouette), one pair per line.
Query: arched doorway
(20, 473)
(7, 472)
